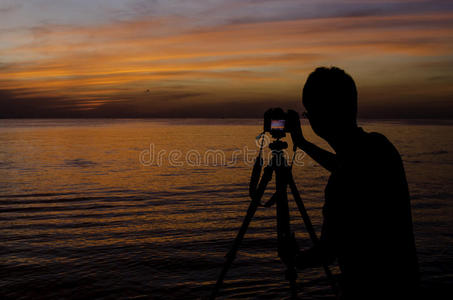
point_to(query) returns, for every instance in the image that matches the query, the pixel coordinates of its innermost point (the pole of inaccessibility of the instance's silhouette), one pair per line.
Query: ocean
(147, 209)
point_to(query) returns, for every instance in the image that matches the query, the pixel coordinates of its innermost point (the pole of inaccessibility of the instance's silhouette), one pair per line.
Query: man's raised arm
(323, 157)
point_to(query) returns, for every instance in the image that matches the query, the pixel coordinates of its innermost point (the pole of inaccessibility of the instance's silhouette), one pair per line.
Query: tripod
(287, 246)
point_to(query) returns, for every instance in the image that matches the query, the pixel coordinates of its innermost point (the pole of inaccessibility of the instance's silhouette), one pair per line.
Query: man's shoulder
(379, 145)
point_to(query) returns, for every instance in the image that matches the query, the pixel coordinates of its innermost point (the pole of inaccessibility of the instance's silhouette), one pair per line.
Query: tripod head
(278, 145)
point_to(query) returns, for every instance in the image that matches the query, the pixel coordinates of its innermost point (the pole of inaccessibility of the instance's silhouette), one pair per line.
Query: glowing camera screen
(278, 125)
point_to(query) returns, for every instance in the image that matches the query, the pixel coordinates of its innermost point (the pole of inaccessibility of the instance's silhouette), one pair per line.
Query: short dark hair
(333, 91)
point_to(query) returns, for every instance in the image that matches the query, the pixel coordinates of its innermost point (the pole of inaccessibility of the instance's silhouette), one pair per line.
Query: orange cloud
(242, 60)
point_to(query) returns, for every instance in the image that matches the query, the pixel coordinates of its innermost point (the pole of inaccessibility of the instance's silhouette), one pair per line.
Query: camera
(276, 122)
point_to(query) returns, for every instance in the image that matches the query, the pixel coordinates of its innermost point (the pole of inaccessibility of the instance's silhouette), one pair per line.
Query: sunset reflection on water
(81, 214)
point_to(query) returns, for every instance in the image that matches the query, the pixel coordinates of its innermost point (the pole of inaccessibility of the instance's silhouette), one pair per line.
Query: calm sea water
(87, 213)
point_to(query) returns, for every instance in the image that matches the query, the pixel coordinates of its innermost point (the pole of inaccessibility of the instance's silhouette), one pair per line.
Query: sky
(214, 58)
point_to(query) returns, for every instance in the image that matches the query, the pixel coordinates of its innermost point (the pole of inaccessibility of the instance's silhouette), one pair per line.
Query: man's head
(330, 98)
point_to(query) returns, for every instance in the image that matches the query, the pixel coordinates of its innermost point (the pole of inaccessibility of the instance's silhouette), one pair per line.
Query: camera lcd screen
(278, 125)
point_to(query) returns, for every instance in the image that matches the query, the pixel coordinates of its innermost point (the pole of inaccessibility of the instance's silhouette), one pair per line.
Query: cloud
(7, 8)
(244, 50)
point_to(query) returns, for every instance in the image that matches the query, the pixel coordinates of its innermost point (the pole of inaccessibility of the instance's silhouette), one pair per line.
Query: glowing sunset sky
(231, 58)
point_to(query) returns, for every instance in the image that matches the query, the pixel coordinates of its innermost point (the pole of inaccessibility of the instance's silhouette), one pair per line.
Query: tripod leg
(286, 240)
(231, 255)
(309, 227)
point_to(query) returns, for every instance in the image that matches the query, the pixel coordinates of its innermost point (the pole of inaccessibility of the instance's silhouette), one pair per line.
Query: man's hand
(294, 125)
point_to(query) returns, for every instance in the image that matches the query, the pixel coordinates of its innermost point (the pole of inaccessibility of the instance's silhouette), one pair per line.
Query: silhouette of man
(367, 223)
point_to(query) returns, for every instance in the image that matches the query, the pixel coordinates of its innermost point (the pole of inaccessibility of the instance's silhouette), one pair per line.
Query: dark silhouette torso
(367, 220)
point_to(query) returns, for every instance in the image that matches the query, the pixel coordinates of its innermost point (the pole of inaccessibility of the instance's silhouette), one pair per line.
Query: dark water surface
(86, 213)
